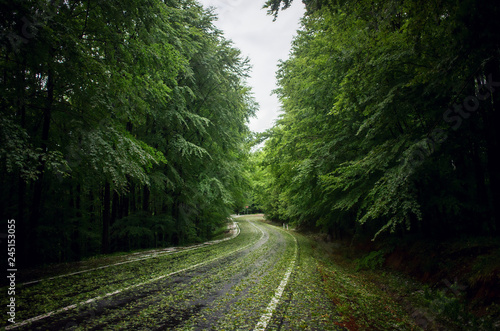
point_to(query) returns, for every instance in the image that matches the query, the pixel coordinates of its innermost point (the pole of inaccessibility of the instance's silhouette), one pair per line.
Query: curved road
(257, 280)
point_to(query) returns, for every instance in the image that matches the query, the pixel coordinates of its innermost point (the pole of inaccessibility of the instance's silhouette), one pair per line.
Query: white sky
(264, 42)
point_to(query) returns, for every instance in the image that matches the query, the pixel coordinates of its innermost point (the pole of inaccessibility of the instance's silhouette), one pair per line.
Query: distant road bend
(245, 282)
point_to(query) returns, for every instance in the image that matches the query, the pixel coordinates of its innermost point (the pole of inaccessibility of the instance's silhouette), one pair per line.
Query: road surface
(256, 279)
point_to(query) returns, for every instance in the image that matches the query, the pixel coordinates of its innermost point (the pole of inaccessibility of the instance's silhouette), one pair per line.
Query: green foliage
(371, 261)
(444, 304)
(120, 119)
(141, 231)
(360, 302)
(486, 268)
(448, 305)
(367, 143)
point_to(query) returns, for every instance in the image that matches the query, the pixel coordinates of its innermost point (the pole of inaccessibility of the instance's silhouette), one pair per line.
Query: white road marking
(266, 317)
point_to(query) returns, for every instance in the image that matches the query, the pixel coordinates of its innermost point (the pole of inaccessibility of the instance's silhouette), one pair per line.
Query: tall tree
(384, 126)
(121, 125)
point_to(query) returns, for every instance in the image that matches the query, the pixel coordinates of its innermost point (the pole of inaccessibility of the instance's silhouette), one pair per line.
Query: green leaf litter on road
(226, 286)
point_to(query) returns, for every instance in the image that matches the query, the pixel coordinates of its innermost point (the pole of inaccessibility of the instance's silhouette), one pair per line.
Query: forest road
(254, 281)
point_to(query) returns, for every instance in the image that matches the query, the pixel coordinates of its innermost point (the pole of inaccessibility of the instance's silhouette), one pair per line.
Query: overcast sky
(264, 42)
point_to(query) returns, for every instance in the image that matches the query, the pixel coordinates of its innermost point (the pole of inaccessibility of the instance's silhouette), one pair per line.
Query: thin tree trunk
(124, 206)
(75, 237)
(38, 187)
(132, 197)
(106, 218)
(145, 199)
(114, 207)
(21, 221)
(492, 140)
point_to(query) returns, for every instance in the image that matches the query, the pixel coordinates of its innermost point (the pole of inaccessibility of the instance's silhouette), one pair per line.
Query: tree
(110, 125)
(365, 144)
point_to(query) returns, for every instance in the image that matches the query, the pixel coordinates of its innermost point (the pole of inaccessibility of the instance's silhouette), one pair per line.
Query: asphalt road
(257, 279)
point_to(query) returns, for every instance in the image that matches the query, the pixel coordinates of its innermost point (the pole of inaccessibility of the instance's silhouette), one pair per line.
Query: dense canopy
(122, 125)
(389, 119)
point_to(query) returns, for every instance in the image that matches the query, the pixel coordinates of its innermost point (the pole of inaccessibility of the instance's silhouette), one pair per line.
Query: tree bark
(145, 199)
(492, 140)
(75, 236)
(106, 219)
(38, 187)
(114, 207)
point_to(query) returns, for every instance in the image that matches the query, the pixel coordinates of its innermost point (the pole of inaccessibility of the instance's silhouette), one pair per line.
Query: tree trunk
(75, 236)
(145, 199)
(493, 163)
(114, 207)
(21, 221)
(38, 187)
(132, 195)
(106, 218)
(124, 206)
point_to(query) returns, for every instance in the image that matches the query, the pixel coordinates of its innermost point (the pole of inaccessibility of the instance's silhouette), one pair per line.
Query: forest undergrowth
(438, 288)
